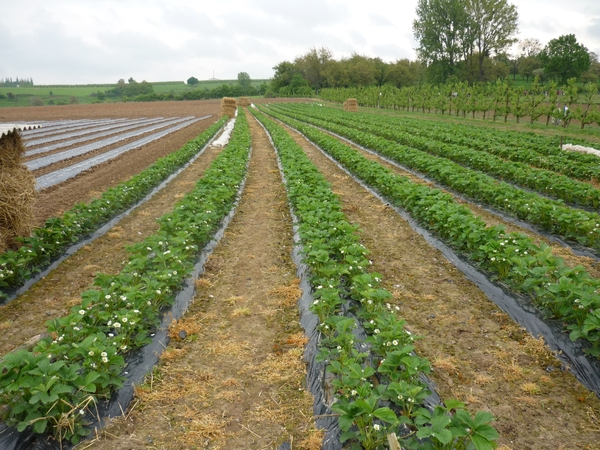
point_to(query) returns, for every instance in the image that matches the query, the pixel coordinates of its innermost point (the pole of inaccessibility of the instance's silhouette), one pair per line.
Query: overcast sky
(100, 41)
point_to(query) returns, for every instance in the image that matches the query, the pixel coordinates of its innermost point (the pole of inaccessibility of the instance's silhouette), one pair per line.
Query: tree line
(9, 82)
(469, 41)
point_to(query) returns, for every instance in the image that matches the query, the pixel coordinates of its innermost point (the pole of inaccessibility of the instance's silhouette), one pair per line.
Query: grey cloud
(189, 19)
(309, 12)
(357, 37)
(392, 52)
(594, 29)
(380, 21)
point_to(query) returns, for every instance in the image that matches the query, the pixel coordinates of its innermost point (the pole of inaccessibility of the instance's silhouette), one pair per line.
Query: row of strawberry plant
(570, 294)
(537, 151)
(543, 181)
(58, 233)
(544, 153)
(53, 387)
(340, 276)
(552, 216)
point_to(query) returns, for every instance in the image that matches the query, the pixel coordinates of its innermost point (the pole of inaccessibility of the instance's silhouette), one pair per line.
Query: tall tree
(405, 73)
(284, 71)
(528, 65)
(528, 57)
(592, 75)
(335, 74)
(440, 29)
(380, 70)
(449, 31)
(565, 58)
(361, 70)
(530, 47)
(495, 24)
(244, 81)
(312, 66)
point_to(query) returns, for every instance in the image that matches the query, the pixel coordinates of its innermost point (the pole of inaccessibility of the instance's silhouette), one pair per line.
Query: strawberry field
(383, 282)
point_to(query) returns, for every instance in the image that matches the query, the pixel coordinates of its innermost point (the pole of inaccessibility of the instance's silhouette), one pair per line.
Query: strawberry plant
(511, 257)
(340, 277)
(53, 388)
(58, 233)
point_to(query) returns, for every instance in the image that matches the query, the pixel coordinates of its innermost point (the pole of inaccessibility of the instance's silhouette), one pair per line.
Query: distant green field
(208, 84)
(62, 94)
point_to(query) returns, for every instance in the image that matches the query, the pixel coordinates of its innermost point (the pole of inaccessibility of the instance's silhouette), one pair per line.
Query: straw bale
(11, 150)
(351, 105)
(228, 106)
(17, 192)
(244, 101)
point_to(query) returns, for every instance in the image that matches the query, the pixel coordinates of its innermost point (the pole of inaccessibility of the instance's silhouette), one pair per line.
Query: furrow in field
(56, 199)
(124, 126)
(552, 216)
(72, 131)
(490, 216)
(479, 354)
(53, 296)
(59, 176)
(76, 127)
(44, 161)
(237, 379)
(52, 126)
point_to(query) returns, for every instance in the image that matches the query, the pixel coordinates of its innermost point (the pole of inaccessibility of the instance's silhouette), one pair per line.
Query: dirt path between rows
(479, 355)
(52, 296)
(237, 380)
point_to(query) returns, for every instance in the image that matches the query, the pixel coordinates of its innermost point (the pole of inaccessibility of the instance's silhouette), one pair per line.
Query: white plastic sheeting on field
(581, 149)
(6, 128)
(224, 138)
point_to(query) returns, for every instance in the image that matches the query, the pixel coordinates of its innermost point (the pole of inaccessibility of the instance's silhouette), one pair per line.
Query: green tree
(312, 66)
(335, 74)
(360, 69)
(528, 65)
(284, 71)
(245, 82)
(380, 70)
(442, 29)
(451, 31)
(192, 81)
(565, 58)
(297, 84)
(494, 25)
(592, 75)
(405, 73)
